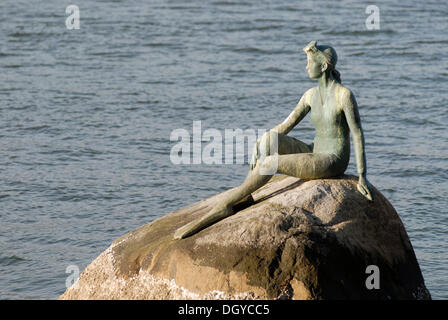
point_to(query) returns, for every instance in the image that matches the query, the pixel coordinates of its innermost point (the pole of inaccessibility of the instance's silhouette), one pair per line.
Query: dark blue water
(86, 115)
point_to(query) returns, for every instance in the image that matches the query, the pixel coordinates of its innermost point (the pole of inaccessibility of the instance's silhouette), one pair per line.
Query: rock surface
(299, 240)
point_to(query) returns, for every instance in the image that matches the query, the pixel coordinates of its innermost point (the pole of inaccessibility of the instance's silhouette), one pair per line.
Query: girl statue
(334, 114)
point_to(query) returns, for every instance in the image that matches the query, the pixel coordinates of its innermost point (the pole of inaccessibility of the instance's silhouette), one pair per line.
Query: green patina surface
(334, 114)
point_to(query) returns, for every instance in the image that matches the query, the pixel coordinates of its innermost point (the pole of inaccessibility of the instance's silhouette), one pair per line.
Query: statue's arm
(351, 112)
(299, 112)
(354, 123)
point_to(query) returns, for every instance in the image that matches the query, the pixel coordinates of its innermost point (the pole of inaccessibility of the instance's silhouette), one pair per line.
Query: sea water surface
(86, 115)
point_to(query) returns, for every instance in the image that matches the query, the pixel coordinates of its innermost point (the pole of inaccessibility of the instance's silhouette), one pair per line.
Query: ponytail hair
(335, 74)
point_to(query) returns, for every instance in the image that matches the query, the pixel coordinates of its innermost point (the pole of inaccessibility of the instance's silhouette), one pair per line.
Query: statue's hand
(255, 155)
(365, 188)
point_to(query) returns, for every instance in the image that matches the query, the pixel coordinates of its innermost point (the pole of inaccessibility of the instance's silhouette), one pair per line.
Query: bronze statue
(334, 114)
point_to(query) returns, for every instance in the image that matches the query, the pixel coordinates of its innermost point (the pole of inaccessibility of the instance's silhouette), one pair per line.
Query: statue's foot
(210, 218)
(185, 231)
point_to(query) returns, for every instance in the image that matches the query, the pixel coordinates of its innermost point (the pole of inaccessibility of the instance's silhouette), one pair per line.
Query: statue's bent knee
(268, 165)
(265, 144)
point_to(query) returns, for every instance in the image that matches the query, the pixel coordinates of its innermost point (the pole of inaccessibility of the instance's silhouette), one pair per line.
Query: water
(86, 115)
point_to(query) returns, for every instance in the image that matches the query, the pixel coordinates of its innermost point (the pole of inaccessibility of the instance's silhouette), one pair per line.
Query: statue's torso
(332, 131)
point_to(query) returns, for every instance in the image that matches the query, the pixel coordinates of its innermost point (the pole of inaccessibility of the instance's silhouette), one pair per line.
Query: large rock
(299, 240)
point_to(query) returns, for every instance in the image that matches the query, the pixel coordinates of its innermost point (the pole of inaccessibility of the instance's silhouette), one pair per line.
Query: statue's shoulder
(310, 91)
(309, 94)
(343, 94)
(341, 90)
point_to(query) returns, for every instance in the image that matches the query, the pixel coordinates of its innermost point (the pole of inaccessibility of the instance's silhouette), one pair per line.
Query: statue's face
(313, 67)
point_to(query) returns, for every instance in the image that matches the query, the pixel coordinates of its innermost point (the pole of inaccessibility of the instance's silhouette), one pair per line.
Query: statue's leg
(311, 165)
(255, 179)
(223, 209)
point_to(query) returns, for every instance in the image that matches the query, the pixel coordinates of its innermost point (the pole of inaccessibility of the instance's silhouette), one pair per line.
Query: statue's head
(321, 59)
